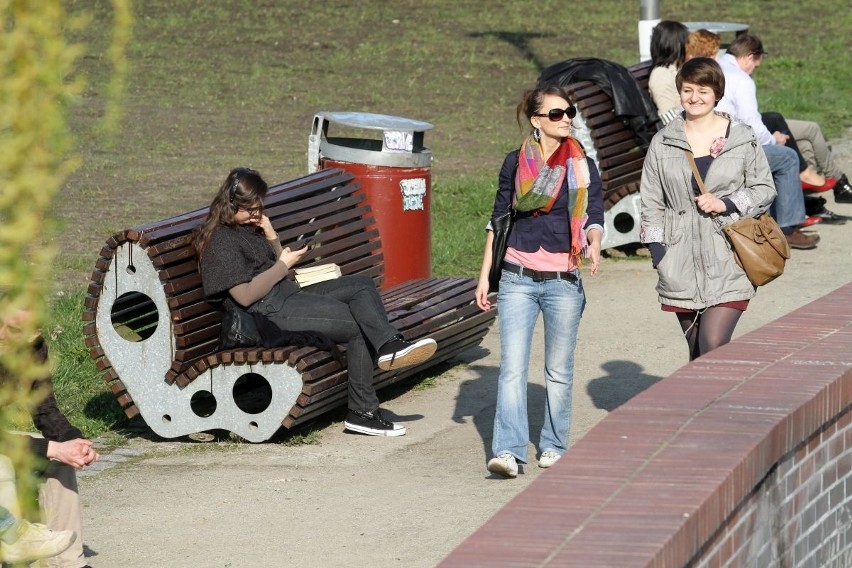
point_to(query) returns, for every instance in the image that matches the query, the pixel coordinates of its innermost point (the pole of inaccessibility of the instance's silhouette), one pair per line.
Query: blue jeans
(788, 209)
(7, 521)
(346, 310)
(519, 301)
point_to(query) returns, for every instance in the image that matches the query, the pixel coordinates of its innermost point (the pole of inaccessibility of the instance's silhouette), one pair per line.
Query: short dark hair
(746, 45)
(702, 71)
(668, 43)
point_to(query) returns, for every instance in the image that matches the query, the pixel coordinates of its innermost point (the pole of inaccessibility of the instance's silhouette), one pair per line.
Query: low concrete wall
(740, 458)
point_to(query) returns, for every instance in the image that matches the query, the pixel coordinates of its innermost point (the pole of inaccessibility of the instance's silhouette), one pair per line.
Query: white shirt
(740, 100)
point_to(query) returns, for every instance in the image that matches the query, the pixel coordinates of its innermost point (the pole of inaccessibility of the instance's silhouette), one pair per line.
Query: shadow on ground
(623, 380)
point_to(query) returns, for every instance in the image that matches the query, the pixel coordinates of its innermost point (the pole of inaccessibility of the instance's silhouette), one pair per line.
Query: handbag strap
(695, 171)
(700, 183)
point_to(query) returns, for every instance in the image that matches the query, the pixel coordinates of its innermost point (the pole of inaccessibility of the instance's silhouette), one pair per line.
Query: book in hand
(314, 273)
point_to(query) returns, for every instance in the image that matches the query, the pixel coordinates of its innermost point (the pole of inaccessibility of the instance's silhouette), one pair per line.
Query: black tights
(708, 329)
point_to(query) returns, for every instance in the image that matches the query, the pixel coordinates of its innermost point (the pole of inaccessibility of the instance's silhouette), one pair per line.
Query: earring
(537, 134)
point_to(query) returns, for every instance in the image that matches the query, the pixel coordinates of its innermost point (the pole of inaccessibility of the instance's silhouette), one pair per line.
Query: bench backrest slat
(617, 150)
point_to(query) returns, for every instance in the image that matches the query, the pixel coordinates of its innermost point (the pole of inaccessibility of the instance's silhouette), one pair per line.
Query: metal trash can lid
(376, 121)
(401, 144)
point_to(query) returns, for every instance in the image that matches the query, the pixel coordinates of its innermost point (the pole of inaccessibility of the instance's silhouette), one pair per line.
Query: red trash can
(395, 176)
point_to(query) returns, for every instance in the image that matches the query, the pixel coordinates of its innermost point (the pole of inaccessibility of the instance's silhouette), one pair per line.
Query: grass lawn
(217, 84)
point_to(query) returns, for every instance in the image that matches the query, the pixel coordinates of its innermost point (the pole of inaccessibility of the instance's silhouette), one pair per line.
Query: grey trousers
(59, 503)
(814, 147)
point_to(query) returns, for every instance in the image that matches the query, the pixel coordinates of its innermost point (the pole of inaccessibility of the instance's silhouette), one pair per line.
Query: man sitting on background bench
(740, 101)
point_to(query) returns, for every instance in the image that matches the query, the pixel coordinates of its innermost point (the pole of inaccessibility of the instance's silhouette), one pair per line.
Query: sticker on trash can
(399, 141)
(413, 191)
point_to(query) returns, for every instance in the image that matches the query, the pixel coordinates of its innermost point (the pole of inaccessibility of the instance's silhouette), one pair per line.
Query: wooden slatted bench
(155, 339)
(617, 152)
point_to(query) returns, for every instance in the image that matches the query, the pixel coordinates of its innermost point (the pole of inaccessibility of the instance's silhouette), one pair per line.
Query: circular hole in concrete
(252, 393)
(203, 403)
(253, 425)
(134, 316)
(623, 223)
(167, 418)
(131, 269)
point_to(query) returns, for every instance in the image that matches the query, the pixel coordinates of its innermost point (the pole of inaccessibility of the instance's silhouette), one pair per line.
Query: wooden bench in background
(155, 339)
(617, 152)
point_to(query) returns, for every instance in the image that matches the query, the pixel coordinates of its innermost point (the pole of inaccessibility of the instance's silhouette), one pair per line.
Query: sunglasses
(252, 211)
(556, 114)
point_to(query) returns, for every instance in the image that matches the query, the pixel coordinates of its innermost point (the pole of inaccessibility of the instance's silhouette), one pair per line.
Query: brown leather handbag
(759, 246)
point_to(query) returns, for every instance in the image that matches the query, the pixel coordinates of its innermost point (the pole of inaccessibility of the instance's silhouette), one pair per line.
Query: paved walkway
(405, 501)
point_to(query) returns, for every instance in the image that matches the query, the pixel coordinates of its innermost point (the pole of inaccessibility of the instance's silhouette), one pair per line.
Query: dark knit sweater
(46, 416)
(233, 255)
(236, 255)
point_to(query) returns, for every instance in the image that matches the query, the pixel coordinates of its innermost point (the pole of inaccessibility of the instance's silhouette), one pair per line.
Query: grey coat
(698, 269)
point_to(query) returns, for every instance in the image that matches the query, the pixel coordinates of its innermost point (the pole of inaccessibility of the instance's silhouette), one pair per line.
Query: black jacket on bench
(629, 101)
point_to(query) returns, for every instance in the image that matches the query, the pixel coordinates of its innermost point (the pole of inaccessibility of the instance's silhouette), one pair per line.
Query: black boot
(815, 207)
(843, 190)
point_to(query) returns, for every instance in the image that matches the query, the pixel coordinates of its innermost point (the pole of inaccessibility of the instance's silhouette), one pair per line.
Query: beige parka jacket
(698, 269)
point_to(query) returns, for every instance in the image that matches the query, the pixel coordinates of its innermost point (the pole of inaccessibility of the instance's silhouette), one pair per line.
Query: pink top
(541, 260)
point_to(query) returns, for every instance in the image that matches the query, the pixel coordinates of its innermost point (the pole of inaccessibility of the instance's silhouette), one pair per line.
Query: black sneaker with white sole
(372, 424)
(398, 353)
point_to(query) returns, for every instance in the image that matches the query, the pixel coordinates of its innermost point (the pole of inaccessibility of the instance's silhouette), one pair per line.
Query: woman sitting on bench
(242, 261)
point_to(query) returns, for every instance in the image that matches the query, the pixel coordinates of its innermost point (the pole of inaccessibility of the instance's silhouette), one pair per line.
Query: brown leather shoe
(799, 240)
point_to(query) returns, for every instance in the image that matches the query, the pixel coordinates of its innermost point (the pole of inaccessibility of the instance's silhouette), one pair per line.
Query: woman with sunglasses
(242, 262)
(699, 281)
(555, 192)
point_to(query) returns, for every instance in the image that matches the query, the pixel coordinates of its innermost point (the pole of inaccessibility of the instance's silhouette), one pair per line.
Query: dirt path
(354, 500)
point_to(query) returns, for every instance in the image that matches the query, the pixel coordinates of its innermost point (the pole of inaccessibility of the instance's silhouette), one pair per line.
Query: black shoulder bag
(501, 226)
(239, 329)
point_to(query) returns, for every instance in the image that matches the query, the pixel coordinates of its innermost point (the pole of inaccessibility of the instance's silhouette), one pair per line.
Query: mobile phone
(299, 245)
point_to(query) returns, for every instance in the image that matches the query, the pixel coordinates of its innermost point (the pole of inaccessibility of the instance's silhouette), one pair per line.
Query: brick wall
(740, 458)
(801, 512)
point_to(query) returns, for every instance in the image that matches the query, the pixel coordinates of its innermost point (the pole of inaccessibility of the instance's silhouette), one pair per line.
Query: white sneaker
(548, 458)
(398, 353)
(34, 542)
(372, 424)
(505, 464)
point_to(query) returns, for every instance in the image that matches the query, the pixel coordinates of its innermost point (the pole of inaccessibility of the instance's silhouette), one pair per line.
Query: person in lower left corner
(61, 451)
(699, 281)
(555, 191)
(23, 541)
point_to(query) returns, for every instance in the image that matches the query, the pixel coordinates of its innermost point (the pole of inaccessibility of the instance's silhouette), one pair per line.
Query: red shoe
(829, 183)
(811, 220)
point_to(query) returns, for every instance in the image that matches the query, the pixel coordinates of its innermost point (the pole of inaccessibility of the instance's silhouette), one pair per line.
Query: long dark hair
(668, 43)
(242, 188)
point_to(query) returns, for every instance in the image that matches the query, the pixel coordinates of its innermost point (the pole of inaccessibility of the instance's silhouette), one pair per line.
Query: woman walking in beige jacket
(698, 278)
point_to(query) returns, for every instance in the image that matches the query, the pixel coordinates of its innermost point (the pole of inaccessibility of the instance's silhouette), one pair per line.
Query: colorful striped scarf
(537, 185)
